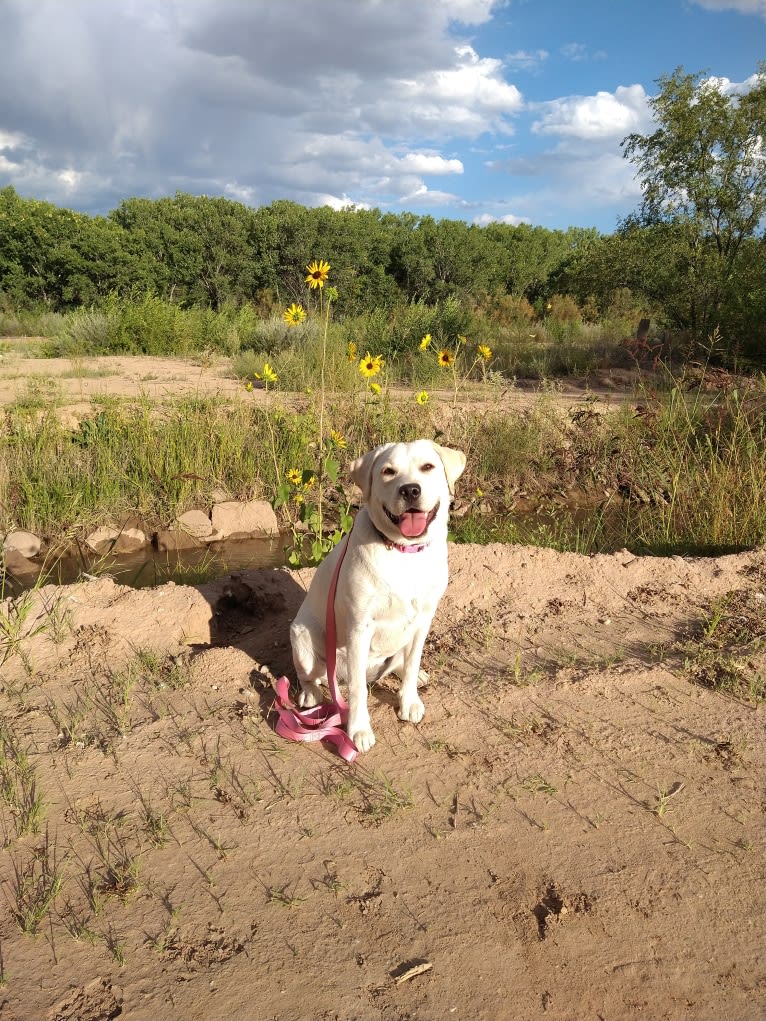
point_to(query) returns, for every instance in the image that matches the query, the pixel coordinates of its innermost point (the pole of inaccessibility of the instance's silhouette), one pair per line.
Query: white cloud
(729, 88)
(9, 140)
(429, 196)
(523, 60)
(429, 163)
(247, 98)
(756, 7)
(579, 52)
(606, 115)
(510, 218)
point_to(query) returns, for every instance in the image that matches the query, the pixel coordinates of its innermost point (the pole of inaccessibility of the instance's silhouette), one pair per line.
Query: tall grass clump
(136, 458)
(702, 462)
(150, 325)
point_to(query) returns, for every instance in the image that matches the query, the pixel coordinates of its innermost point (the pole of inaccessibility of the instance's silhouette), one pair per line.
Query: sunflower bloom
(422, 397)
(375, 388)
(369, 365)
(318, 271)
(485, 352)
(294, 477)
(267, 374)
(445, 358)
(425, 342)
(338, 440)
(294, 315)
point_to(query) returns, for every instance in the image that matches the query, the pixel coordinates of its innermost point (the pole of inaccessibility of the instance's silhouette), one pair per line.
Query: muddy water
(148, 567)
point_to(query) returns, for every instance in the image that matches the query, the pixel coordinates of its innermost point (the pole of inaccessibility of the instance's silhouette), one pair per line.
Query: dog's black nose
(410, 493)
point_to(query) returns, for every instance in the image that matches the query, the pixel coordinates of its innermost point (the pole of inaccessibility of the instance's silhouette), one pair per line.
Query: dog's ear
(361, 469)
(454, 464)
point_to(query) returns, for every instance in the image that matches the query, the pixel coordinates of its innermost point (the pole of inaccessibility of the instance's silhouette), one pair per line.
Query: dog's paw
(412, 710)
(363, 739)
(310, 695)
(423, 678)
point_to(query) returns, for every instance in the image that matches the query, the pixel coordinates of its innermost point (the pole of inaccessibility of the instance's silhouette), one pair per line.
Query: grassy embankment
(688, 474)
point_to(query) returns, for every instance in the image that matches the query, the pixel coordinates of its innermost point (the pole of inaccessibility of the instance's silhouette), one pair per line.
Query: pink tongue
(413, 523)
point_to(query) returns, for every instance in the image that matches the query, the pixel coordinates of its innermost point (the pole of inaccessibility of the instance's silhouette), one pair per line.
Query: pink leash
(324, 722)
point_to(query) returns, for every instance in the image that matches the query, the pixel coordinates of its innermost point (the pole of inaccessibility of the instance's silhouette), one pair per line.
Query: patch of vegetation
(728, 654)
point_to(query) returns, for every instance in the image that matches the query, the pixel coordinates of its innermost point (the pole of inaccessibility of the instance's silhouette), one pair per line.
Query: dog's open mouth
(412, 523)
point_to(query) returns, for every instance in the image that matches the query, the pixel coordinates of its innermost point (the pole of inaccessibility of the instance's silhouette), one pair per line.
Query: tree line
(693, 255)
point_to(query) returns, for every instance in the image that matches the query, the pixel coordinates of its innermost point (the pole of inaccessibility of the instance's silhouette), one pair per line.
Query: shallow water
(147, 567)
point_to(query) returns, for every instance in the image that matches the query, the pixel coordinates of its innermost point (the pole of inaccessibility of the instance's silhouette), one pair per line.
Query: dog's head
(407, 487)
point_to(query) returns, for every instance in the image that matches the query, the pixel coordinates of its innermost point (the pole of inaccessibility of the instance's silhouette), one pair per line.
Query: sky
(479, 110)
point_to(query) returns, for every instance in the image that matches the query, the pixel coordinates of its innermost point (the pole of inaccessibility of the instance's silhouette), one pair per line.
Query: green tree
(703, 170)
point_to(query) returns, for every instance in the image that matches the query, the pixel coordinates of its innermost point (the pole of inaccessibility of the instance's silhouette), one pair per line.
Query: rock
(129, 540)
(25, 543)
(233, 520)
(107, 539)
(19, 568)
(170, 539)
(220, 495)
(196, 523)
(102, 540)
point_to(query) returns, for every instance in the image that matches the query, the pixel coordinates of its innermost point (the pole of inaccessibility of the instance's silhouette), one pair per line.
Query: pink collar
(406, 549)
(400, 546)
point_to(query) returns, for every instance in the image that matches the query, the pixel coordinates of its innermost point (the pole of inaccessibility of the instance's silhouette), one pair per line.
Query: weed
(538, 785)
(17, 624)
(664, 796)
(725, 656)
(37, 881)
(284, 897)
(18, 784)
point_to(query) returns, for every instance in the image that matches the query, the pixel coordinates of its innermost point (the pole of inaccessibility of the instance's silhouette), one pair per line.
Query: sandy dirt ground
(75, 382)
(574, 831)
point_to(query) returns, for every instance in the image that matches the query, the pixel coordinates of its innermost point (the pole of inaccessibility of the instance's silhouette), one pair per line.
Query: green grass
(686, 475)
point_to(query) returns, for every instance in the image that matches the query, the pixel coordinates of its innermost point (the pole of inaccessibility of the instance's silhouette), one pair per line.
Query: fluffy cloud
(510, 218)
(250, 98)
(606, 115)
(429, 163)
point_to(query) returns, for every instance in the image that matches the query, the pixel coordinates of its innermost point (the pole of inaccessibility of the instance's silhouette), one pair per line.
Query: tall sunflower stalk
(298, 489)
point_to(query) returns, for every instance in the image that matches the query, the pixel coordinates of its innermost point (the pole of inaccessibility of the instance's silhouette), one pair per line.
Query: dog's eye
(427, 468)
(388, 472)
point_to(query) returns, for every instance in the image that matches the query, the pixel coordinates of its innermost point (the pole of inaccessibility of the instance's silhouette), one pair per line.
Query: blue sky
(479, 110)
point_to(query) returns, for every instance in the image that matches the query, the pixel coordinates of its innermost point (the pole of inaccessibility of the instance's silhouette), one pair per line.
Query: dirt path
(73, 383)
(574, 831)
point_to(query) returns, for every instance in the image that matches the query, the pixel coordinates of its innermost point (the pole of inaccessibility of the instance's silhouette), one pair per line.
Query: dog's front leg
(357, 656)
(411, 707)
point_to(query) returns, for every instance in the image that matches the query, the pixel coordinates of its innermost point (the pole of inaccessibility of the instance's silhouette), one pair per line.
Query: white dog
(391, 581)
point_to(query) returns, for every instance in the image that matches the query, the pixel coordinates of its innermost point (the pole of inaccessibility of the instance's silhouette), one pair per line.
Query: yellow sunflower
(375, 388)
(338, 440)
(422, 397)
(294, 477)
(294, 315)
(485, 352)
(425, 342)
(369, 365)
(445, 358)
(318, 271)
(267, 374)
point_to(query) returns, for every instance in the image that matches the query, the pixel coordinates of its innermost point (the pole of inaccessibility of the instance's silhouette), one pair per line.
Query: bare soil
(574, 831)
(73, 383)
